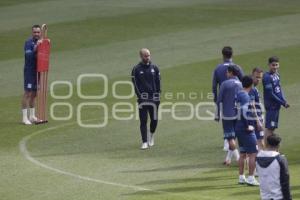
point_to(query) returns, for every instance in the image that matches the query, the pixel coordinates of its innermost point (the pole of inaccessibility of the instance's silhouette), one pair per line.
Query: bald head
(145, 55)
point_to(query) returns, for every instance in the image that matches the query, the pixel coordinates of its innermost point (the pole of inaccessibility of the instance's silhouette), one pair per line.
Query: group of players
(240, 109)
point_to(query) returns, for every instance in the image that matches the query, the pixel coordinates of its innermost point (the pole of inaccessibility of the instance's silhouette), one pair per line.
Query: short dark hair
(273, 59)
(257, 69)
(35, 26)
(227, 51)
(247, 81)
(273, 140)
(233, 69)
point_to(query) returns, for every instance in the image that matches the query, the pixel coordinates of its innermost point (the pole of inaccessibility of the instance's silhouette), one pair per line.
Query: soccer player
(146, 80)
(219, 76)
(273, 171)
(30, 76)
(257, 75)
(227, 110)
(273, 96)
(245, 132)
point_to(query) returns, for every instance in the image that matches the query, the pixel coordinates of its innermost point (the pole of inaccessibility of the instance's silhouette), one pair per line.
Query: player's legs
(32, 97)
(252, 157)
(153, 112)
(143, 114)
(28, 101)
(242, 159)
(260, 144)
(242, 179)
(260, 139)
(32, 116)
(25, 99)
(250, 144)
(25, 106)
(272, 118)
(229, 134)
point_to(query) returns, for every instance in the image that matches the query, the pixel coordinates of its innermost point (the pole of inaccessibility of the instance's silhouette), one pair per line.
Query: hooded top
(272, 169)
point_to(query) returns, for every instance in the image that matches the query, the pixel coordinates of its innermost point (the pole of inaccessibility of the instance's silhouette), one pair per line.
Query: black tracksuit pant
(146, 109)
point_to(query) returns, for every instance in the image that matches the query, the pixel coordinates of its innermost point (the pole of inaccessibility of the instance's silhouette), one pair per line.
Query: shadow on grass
(171, 168)
(295, 187)
(187, 180)
(204, 165)
(253, 190)
(178, 190)
(296, 196)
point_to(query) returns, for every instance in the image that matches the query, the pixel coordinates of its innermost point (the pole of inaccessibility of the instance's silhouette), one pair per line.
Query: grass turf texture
(104, 37)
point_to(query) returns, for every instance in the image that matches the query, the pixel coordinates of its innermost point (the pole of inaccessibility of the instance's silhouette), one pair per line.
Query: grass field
(62, 161)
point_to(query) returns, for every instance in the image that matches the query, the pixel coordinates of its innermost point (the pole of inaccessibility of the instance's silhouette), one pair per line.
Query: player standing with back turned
(227, 110)
(219, 76)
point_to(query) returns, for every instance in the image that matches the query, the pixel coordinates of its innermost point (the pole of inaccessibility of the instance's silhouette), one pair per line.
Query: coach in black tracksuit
(146, 80)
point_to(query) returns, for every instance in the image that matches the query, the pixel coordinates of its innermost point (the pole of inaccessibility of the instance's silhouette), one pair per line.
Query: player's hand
(259, 127)
(39, 41)
(250, 128)
(217, 119)
(287, 105)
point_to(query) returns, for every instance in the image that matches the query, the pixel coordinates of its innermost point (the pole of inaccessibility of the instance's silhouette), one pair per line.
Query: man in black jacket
(146, 80)
(272, 169)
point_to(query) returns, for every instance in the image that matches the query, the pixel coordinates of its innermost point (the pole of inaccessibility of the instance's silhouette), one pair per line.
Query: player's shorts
(228, 128)
(259, 134)
(272, 118)
(30, 81)
(247, 142)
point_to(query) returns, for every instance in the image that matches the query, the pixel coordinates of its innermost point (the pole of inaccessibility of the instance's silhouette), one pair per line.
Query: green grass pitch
(62, 161)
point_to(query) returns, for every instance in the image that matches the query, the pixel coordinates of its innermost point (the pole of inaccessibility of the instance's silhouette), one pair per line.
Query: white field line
(26, 154)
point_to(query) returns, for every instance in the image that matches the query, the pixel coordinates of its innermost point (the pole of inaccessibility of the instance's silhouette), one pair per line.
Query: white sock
(236, 154)
(251, 177)
(229, 155)
(31, 112)
(242, 176)
(25, 114)
(226, 145)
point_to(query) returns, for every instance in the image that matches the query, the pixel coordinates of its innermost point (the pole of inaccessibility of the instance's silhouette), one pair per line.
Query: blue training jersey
(219, 76)
(227, 96)
(273, 95)
(30, 56)
(255, 98)
(245, 117)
